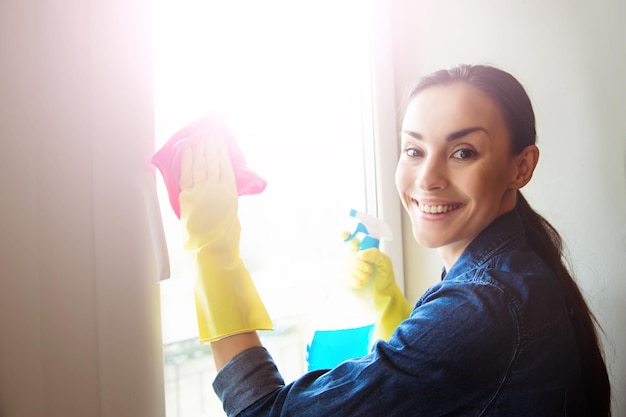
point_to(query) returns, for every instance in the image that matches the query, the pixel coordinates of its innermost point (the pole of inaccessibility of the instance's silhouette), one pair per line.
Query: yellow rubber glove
(226, 299)
(373, 266)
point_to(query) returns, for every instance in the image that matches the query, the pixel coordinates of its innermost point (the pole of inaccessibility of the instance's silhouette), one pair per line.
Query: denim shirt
(493, 338)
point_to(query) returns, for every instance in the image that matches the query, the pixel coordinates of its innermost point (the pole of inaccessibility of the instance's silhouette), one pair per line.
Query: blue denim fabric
(493, 338)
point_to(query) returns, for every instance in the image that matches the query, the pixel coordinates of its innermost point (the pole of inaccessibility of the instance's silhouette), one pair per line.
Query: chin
(426, 241)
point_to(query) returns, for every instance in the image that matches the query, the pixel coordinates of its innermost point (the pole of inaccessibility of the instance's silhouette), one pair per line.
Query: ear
(525, 164)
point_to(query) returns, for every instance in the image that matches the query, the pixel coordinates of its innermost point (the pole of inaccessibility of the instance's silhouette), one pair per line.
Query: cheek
(402, 184)
(401, 179)
(488, 184)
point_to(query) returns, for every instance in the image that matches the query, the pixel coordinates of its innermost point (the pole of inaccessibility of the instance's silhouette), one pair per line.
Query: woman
(505, 333)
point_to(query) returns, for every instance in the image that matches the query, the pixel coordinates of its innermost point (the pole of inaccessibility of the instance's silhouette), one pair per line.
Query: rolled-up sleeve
(245, 379)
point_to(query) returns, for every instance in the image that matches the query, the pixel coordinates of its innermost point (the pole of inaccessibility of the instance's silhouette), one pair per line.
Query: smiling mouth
(436, 208)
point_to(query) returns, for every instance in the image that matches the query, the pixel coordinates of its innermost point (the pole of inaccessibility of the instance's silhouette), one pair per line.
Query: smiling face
(456, 172)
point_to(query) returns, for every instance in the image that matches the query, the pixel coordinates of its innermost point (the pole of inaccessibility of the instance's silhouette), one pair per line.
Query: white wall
(571, 56)
(79, 316)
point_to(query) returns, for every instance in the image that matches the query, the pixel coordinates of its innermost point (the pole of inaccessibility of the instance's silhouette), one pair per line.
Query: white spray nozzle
(372, 227)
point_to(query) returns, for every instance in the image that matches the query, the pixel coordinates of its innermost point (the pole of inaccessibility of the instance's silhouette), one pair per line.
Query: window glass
(292, 80)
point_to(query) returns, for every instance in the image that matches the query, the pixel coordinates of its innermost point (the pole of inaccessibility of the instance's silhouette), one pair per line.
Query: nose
(432, 173)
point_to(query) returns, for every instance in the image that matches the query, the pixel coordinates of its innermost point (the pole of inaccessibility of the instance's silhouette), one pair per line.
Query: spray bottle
(350, 335)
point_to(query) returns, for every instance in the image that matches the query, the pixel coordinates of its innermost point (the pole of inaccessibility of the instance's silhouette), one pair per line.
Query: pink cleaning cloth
(167, 160)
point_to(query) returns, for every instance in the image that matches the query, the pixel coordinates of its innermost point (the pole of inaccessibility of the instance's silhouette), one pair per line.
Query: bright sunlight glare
(292, 80)
(278, 72)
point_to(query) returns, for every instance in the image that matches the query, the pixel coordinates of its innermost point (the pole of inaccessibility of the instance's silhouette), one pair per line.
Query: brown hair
(542, 237)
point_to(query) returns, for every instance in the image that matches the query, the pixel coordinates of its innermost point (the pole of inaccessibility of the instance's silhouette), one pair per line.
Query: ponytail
(543, 238)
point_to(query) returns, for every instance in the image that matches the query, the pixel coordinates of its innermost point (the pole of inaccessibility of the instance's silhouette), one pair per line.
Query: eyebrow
(452, 136)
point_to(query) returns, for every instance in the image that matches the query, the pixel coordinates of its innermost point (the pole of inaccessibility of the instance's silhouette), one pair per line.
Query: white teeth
(437, 208)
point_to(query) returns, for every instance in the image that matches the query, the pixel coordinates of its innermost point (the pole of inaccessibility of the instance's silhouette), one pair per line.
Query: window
(293, 81)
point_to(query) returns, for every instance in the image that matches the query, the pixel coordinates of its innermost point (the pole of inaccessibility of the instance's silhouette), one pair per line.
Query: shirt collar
(503, 233)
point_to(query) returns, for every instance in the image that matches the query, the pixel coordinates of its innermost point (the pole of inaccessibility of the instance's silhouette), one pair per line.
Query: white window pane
(291, 79)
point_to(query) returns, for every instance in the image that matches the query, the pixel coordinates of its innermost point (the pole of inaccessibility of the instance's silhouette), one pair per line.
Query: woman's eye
(413, 152)
(464, 154)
